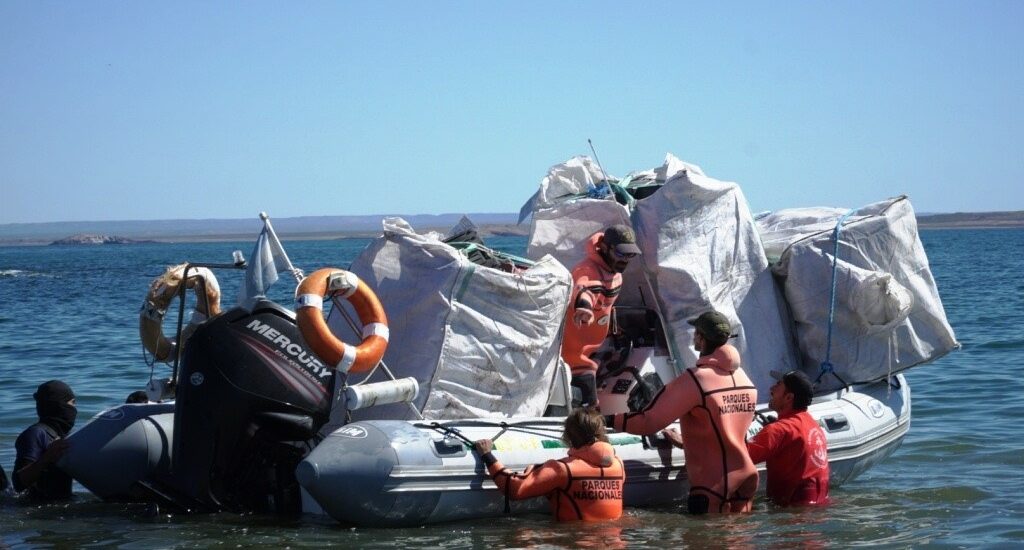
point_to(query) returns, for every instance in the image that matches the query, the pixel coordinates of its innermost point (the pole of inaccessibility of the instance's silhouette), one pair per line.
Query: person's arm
(763, 445)
(670, 403)
(533, 483)
(28, 469)
(583, 299)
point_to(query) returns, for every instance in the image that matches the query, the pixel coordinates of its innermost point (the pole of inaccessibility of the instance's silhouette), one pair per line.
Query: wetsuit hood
(726, 358)
(595, 255)
(52, 406)
(598, 454)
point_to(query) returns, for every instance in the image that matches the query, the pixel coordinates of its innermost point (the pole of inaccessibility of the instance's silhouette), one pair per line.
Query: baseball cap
(798, 384)
(713, 324)
(622, 239)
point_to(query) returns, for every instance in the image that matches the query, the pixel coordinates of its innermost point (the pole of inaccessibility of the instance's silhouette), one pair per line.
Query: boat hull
(394, 473)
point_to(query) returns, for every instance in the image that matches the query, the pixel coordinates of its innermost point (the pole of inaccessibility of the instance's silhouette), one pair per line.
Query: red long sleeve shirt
(795, 452)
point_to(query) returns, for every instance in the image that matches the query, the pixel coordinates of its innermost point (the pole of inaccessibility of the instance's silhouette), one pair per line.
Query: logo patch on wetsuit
(817, 446)
(736, 403)
(196, 378)
(598, 489)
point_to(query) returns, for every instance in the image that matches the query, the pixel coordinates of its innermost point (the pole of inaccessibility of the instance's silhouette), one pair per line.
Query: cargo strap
(454, 432)
(826, 365)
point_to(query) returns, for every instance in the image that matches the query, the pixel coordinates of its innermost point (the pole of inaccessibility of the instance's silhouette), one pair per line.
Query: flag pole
(296, 272)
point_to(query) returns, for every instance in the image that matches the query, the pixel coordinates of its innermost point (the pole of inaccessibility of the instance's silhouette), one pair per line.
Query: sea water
(958, 480)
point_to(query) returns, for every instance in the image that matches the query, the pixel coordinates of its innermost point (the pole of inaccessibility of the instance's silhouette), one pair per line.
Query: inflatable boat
(270, 415)
(242, 435)
(393, 473)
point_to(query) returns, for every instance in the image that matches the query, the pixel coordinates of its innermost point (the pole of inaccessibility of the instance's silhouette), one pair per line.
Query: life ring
(162, 290)
(330, 282)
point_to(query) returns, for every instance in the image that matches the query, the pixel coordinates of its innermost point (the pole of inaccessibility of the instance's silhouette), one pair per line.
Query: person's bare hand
(674, 436)
(583, 317)
(483, 446)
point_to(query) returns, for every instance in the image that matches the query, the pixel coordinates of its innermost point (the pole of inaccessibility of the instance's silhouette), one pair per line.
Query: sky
(163, 110)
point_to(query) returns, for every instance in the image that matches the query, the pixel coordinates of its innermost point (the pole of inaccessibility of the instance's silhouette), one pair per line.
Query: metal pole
(603, 173)
(355, 328)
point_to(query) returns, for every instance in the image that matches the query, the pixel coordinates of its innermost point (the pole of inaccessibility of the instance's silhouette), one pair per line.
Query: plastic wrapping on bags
(481, 342)
(700, 249)
(887, 316)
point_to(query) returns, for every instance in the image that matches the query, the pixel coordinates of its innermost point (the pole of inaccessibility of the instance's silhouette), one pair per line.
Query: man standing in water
(42, 444)
(714, 402)
(794, 447)
(597, 280)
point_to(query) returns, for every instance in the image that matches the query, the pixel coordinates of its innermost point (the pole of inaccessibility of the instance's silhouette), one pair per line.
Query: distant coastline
(340, 227)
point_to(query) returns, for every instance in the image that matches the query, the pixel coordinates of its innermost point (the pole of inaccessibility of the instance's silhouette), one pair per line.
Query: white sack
(481, 342)
(888, 314)
(701, 251)
(782, 228)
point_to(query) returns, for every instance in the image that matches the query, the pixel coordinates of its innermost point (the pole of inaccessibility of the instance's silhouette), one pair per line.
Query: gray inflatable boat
(393, 473)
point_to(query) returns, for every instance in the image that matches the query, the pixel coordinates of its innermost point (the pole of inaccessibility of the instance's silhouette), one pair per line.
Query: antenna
(603, 173)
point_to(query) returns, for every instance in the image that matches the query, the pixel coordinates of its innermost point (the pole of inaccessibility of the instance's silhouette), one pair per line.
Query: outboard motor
(251, 396)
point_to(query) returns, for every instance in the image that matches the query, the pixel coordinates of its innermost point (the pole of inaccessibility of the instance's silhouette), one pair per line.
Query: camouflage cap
(713, 324)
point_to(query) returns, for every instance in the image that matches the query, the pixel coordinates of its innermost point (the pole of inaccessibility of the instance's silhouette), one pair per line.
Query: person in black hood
(42, 444)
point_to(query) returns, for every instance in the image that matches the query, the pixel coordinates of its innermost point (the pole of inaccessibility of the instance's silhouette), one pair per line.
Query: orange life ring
(329, 282)
(161, 291)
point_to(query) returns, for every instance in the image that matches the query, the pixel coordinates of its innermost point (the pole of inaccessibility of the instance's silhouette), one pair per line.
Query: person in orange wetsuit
(793, 448)
(597, 280)
(586, 485)
(714, 402)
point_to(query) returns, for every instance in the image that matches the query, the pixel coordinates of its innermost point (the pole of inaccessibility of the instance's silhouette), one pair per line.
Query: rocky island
(84, 238)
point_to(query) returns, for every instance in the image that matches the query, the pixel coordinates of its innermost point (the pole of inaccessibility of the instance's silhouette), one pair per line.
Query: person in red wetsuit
(714, 402)
(597, 280)
(793, 448)
(586, 485)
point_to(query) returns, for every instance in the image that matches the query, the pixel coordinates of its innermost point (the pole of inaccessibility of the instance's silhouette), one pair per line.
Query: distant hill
(972, 219)
(306, 227)
(324, 227)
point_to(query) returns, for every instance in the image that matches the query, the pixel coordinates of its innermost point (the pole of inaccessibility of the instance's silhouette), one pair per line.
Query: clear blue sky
(155, 110)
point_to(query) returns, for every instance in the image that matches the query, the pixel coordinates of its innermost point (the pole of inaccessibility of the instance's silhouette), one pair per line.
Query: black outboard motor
(251, 396)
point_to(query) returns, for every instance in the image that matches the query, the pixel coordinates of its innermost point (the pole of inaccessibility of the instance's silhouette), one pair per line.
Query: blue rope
(826, 365)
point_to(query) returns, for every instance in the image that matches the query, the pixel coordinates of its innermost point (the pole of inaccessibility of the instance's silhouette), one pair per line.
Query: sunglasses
(620, 255)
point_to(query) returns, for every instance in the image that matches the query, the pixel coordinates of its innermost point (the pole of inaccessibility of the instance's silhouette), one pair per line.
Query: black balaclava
(52, 406)
(613, 263)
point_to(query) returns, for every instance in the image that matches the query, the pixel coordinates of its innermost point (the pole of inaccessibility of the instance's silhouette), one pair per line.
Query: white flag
(267, 258)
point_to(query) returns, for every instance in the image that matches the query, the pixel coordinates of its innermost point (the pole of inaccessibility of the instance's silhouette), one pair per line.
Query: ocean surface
(957, 481)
